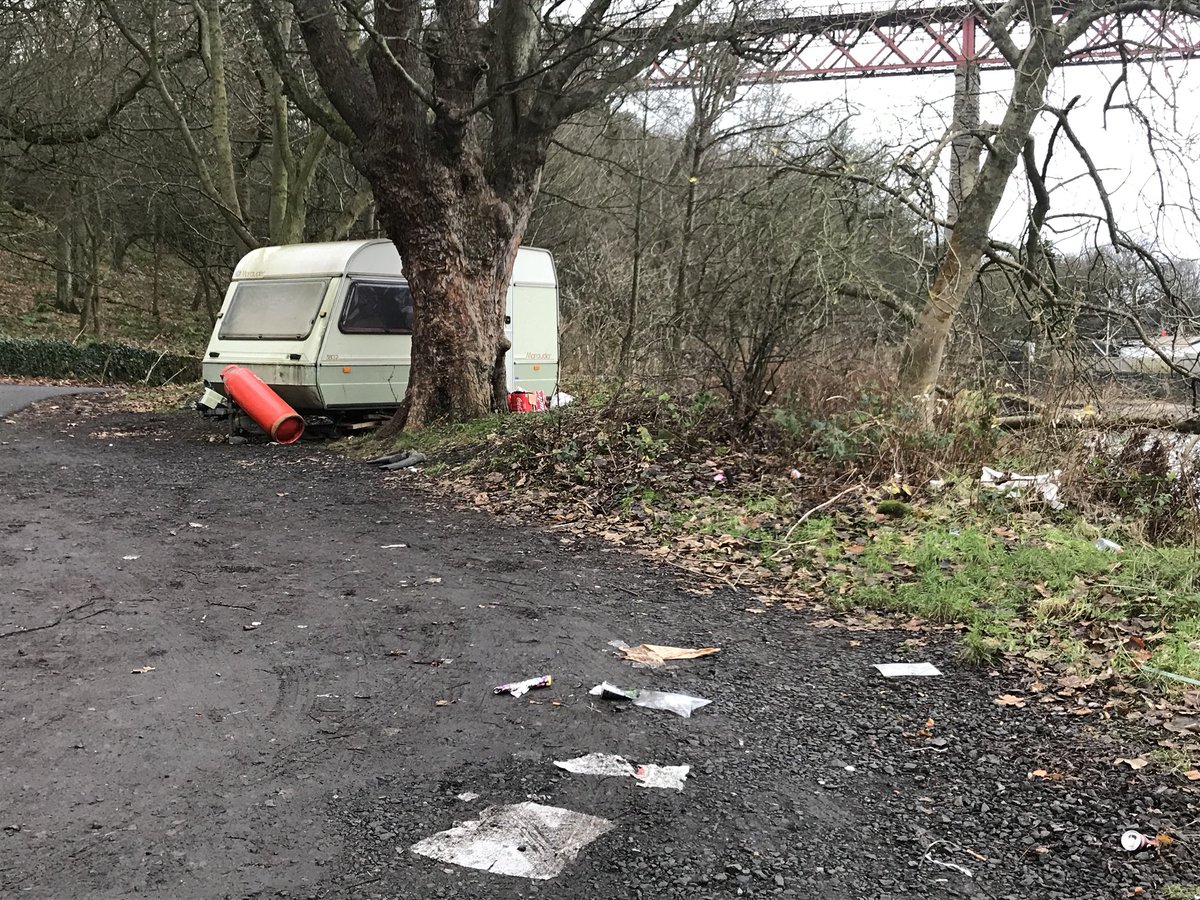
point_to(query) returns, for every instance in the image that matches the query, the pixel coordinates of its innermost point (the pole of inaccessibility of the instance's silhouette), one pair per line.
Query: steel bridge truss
(845, 43)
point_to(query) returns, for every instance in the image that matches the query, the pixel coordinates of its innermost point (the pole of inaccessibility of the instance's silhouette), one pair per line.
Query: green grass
(1181, 891)
(1021, 590)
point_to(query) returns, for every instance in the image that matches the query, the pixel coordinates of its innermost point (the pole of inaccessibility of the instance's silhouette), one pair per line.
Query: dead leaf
(1010, 700)
(1136, 763)
(1192, 775)
(656, 654)
(1045, 776)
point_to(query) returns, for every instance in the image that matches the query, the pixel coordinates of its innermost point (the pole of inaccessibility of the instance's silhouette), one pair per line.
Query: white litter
(666, 777)
(606, 764)
(131, 557)
(610, 765)
(906, 670)
(467, 796)
(560, 398)
(1012, 483)
(525, 840)
(680, 704)
(392, 546)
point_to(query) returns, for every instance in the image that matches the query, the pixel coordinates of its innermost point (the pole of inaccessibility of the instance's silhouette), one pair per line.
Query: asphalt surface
(14, 397)
(155, 741)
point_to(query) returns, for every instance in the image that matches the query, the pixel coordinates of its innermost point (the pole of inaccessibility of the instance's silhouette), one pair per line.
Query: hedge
(105, 363)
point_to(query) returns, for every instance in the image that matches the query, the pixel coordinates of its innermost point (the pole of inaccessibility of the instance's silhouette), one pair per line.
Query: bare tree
(450, 117)
(1047, 47)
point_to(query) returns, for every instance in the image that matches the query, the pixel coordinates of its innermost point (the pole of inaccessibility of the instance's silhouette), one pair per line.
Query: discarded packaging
(525, 840)
(1133, 841)
(610, 765)
(1110, 546)
(603, 764)
(1011, 483)
(906, 670)
(560, 398)
(521, 688)
(655, 655)
(680, 704)
(665, 777)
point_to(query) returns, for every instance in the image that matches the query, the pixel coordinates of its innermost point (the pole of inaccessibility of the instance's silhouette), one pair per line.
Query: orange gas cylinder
(263, 405)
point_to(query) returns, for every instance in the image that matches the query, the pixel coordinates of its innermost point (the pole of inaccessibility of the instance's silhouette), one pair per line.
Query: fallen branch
(56, 622)
(816, 509)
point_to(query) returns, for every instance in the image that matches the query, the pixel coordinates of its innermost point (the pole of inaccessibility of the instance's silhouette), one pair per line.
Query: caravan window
(273, 310)
(377, 308)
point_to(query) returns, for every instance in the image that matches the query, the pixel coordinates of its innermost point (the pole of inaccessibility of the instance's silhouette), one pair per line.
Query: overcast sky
(900, 109)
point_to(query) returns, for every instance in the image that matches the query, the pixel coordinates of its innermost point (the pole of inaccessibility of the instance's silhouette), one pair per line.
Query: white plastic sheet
(680, 704)
(907, 670)
(610, 765)
(525, 840)
(1011, 483)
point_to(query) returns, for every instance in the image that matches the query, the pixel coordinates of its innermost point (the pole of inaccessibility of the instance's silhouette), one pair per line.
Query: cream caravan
(329, 326)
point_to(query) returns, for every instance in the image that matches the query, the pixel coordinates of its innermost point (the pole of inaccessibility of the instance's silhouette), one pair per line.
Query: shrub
(98, 362)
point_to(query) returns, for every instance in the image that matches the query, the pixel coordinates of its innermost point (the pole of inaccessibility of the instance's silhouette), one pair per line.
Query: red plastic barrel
(263, 405)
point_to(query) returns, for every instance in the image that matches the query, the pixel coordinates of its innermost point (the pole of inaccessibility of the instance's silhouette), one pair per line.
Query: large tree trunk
(458, 257)
(921, 361)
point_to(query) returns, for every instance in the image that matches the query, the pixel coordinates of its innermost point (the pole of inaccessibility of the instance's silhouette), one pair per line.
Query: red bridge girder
(925, 40)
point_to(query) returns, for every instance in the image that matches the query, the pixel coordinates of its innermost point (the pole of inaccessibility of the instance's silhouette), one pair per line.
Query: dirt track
(303, 757)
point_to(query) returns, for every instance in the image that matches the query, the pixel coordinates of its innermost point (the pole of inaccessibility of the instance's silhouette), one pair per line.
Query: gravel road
(14, 397)
(155, 742)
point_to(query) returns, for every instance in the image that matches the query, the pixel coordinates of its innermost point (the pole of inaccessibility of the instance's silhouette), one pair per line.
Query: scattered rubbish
(610, 765)
(525, 840)
(1012, 483)
(196, 525)
(719, 477)
(433, 579)
(442, 702)
(935, 484)
(665, 777)
(655, 655)
(251, 626)
(392, 546)
(398, 460)
(1133, 841)
(604, 764)
(408, 461)
(527, 401)
(142, 671)
(680, 704)
(521, 688)
(928, 857)
(1164, 674)
(906, 670)
(793, 474)
(467, 796)
(1110, 546)
(130, 557)
(560, 398)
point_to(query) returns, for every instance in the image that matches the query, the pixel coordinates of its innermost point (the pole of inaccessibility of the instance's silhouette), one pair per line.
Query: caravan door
(365, 358)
